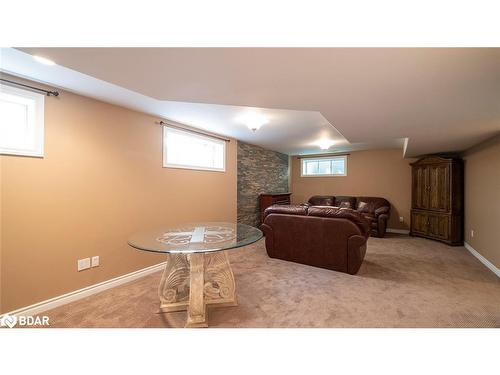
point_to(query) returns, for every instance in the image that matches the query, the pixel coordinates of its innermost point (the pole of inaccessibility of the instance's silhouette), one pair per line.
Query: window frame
(39, 122)
(319, 158)
(193, 134)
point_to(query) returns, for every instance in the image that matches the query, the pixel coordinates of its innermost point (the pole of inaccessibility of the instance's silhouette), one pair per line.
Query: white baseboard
(399, 231)
(49, 304)
(482, 259)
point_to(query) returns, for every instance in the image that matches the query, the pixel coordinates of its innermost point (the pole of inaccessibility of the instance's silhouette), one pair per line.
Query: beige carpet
(403, 282)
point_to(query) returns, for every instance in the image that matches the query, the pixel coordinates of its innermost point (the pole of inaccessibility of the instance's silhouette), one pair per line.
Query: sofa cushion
(363, 207)
(345, 202)
(323, 211)
(285, 209)
(322, 200)
(345, 213)
(370, 204)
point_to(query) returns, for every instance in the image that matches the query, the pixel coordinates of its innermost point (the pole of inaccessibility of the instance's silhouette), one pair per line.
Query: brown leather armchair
(376, 210)
(326, 237)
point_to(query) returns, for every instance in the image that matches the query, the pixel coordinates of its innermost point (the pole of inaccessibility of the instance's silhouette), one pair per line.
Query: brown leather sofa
(375, 210)
(326, 237)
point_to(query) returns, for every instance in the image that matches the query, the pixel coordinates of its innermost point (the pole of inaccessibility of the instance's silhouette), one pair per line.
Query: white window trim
(193, 134)
(324, 175)
(39, 99)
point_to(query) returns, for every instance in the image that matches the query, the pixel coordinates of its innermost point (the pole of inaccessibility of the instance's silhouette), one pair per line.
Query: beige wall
(379, 173)
(482, 199)
(101, 179)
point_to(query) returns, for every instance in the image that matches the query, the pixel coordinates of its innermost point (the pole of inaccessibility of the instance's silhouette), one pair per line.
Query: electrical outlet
(83, 264)
(95, 261)
(401, 219)
(472, 233)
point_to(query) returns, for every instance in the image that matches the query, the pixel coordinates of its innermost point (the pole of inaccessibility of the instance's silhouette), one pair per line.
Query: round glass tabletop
(196, 238)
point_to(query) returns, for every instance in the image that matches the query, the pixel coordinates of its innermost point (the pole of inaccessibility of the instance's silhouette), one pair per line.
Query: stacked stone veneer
(259, 171)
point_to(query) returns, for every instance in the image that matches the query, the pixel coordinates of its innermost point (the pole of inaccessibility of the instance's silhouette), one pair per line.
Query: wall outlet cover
(83, 264)
(95, 261)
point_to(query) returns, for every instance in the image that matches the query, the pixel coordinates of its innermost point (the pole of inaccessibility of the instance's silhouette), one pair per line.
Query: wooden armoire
(438, 199)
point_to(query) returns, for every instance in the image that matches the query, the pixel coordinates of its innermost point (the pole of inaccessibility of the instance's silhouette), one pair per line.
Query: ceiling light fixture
(325, 144)
(253, 120)
(44, 60)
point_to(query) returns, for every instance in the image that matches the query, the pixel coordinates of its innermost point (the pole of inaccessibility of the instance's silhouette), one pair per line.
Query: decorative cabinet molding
(437, 199)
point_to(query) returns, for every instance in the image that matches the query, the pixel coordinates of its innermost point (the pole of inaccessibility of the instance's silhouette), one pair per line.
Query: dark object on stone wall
(268, 199)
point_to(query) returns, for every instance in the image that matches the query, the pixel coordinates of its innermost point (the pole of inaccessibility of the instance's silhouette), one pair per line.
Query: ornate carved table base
(193, 281)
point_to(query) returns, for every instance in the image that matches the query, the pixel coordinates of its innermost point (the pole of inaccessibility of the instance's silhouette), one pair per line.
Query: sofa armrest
(382, 224)
(269, 238)
(355, 253)
(382, 217)
(384, 210)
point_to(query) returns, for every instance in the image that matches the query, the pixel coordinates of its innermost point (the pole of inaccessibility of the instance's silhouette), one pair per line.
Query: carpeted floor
(403, 282)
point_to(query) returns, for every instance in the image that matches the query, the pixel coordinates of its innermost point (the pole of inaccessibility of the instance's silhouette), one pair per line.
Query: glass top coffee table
(197, 272)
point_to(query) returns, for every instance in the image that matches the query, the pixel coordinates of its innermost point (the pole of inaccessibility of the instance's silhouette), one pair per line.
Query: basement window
(21, 122)
(324, 166)
(189, 150)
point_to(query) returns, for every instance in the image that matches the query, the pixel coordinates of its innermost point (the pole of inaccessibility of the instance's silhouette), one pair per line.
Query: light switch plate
(95, 261)
(83, 264)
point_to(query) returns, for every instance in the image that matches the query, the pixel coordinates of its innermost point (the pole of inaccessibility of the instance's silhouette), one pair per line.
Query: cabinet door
(439, 185)
(419, 223)
(430, 225)
(420, 187)
(438, 226)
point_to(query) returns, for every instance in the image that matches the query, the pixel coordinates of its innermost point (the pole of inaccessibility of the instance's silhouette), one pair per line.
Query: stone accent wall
(259, 171)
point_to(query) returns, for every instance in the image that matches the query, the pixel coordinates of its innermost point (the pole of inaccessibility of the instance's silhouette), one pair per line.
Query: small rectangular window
(21, 122)
(324, 166)
(185, 149)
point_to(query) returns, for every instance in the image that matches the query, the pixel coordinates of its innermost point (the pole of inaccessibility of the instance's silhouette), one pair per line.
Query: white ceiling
(441, 99)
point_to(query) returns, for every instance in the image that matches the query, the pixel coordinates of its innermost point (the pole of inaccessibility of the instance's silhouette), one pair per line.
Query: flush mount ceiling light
(44, 60)
(253, 120)
(324, 144)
